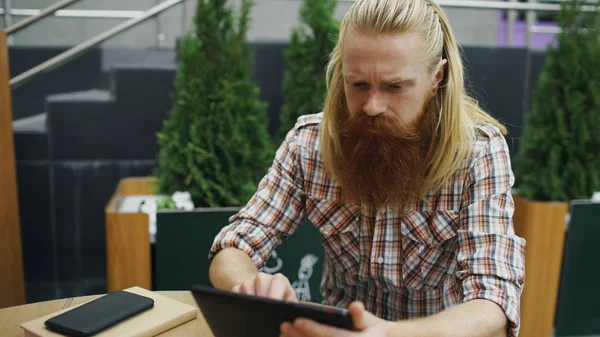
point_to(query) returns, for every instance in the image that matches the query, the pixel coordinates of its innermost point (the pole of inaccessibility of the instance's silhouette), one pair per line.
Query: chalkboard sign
(183, 240)
(578, 311)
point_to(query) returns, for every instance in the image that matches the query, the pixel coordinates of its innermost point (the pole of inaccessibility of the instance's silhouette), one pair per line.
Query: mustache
(361, 124)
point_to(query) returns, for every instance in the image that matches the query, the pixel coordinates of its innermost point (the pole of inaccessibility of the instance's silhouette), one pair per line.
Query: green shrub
(214, 142)
(559, 158)
(304, 86)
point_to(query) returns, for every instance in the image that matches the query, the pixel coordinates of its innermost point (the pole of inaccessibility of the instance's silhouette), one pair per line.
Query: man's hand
(365, 324)
(276, 286)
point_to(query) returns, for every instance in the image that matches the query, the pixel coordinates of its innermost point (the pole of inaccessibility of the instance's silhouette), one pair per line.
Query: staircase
(69, 160)
(75, 141)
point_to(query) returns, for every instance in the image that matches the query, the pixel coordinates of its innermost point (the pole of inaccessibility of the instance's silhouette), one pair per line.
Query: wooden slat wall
(542, 224)
(12, 284)
(127, 251)
(128, 257)
(137, 186)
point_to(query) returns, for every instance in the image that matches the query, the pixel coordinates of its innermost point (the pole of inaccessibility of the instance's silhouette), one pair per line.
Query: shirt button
(380, 260)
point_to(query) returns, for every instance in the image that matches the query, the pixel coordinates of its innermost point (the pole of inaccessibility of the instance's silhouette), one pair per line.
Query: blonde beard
(384, 163)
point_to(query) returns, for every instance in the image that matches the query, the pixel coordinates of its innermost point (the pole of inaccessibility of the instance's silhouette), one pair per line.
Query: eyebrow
(401, 80)
(393, 80)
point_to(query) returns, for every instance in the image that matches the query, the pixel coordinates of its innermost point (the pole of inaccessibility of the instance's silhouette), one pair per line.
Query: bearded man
(408, 181)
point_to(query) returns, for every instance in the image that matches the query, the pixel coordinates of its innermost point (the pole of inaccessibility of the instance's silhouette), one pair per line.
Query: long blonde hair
(458, 112)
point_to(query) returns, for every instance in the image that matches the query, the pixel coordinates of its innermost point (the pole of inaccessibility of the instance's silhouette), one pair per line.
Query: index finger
(278, 287)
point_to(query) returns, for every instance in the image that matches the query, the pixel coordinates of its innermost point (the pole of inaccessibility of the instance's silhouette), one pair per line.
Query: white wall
(272, 20)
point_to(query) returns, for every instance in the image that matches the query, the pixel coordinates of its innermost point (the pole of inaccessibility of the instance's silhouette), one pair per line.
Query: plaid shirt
(458, 246)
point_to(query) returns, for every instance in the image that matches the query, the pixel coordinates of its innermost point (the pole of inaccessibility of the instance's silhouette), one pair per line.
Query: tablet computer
(231, 314)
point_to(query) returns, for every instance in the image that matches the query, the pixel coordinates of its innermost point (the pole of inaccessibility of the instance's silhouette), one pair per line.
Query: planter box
(128, 256)
(542, 224)
(183, 240)
(578, 313)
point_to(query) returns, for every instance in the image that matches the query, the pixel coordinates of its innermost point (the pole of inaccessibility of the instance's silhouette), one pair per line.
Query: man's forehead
(393, 57)
(381, 71)
(397, 41)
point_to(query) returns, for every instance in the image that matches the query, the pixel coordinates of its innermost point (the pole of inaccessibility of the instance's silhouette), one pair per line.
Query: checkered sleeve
(491, 257)
(274, 212)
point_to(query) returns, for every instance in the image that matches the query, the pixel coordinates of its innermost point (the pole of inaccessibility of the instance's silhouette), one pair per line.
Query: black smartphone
(231, 314)
(99, 314)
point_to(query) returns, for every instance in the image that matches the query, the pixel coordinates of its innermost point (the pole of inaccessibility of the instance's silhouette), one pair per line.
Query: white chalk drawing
(277, 267)
(302, 286)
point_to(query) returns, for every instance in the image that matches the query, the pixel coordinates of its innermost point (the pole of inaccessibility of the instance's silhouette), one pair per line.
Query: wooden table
(12, 318)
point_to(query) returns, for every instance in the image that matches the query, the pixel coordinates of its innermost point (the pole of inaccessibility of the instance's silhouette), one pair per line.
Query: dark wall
(493, 79)
(82, 73)
(499, 77)
(537, 64)
(269, 66)
(69, 166)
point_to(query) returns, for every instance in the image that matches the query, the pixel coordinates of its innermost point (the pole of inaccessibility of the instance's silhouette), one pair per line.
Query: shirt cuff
(243, 236)
(504, 299)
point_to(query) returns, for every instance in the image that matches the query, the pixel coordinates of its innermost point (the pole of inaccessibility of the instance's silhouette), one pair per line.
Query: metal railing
(85, 46)
(492, 5)
(42, 14)
(522, 6)
(7, 18)
(535, 29)
(78, 13)
(512, 6)
(137, 17)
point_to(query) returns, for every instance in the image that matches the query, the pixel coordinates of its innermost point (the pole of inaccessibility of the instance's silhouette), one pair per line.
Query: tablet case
(230, 314)
(99, 314)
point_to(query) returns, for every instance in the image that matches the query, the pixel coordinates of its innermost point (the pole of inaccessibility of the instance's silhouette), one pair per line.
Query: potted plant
(214, 149)
(221, 167)
(214, 143)
(557, 160)
(304, 84)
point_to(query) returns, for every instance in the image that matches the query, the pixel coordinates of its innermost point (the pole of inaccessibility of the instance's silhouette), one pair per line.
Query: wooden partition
(12, 284)
(128, 257)
(542, 224)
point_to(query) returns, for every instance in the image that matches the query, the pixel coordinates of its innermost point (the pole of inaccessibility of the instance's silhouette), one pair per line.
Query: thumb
(361, 318)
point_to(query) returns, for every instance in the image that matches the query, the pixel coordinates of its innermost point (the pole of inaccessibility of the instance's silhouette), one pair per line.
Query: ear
(439, 76)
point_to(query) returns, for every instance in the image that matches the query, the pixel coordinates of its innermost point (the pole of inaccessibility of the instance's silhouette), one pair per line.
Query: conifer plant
(559, 158)
(214, 142)
(304, 86)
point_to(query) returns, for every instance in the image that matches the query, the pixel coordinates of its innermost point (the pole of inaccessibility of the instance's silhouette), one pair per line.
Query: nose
(374, 105)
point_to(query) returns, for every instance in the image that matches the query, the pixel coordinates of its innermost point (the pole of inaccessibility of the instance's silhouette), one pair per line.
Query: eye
(361, 85)
(395, 87)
